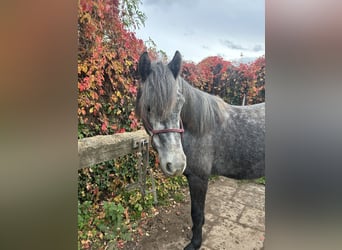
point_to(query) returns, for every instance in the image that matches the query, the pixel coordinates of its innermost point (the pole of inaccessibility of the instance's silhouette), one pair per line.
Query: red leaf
(122, 130)
(104, 127)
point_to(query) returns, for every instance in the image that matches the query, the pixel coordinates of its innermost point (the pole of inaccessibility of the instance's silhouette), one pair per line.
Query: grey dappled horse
(197, 134)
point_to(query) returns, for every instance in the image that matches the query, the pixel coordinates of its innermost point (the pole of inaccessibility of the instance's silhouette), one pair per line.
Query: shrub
(219, 77)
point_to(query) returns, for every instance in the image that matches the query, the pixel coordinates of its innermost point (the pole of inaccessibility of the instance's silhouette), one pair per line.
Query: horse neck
(200, 112)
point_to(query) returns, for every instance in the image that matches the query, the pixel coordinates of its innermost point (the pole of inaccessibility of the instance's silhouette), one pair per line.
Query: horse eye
(148, 109)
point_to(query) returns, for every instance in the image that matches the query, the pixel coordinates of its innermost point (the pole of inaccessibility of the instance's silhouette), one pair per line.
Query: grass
(261, 181)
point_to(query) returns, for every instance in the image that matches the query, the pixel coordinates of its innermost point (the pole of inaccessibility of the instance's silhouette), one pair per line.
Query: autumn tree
(231, 82)
(107, 56)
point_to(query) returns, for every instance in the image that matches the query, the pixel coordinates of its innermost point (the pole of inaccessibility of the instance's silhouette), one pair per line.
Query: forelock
(159, 91)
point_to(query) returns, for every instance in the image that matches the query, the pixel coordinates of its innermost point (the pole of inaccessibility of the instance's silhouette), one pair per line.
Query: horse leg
(198, 189)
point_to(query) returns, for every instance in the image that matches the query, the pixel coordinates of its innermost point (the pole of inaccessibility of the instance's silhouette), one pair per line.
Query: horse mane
(201, 112)
(159, 92)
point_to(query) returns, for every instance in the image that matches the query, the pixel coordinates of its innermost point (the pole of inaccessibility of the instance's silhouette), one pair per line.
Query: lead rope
(146, 159)
(143, 169)
(140, 171)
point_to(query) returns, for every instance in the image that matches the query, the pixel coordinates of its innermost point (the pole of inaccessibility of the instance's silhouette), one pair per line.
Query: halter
(153, 132)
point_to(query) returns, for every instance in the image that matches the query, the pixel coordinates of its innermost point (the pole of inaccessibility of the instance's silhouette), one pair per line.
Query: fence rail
(102, 148)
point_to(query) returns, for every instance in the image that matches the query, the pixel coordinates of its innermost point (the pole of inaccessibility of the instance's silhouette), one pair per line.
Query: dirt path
(235, 215)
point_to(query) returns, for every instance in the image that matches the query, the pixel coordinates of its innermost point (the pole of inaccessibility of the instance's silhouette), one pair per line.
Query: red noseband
(153, 132)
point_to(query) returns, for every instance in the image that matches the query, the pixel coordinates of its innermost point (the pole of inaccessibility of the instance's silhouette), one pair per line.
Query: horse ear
(176, 64)
(144, 66)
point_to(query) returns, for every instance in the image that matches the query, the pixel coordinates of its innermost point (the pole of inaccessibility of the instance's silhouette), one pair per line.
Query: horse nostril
(168, 166)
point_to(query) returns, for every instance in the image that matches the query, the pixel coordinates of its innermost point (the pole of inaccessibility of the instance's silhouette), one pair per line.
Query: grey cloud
(189, 33)
(231, 45)
(257, 48)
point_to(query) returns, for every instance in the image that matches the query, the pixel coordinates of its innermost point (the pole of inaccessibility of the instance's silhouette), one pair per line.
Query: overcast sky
(202, 28)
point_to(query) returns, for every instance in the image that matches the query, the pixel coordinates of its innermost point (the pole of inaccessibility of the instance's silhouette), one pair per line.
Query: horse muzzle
(173, 166)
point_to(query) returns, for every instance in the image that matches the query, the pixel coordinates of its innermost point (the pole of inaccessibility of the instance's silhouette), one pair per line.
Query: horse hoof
(190, 247)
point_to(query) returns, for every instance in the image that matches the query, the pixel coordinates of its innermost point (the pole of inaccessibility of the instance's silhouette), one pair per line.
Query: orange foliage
(107, 59)
(231, 82)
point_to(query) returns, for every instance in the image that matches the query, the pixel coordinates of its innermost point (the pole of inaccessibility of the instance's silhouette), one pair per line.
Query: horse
(197, 134)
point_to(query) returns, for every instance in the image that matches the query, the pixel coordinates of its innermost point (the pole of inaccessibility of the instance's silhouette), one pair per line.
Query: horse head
(159, 104)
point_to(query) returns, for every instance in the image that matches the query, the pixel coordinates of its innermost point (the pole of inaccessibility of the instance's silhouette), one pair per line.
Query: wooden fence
(100, 148)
